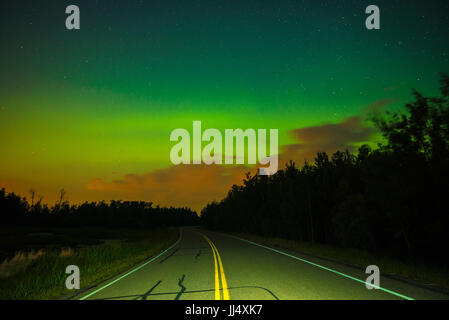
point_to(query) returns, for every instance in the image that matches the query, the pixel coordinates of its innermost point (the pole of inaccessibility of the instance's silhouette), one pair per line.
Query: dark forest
(391, 200)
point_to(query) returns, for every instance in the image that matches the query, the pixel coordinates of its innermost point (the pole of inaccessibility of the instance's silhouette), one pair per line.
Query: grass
(18, 263)
(40, 274)
(429, 276)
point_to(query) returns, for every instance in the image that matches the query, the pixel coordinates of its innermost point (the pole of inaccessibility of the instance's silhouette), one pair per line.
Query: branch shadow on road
(173, 254)
(183, 290)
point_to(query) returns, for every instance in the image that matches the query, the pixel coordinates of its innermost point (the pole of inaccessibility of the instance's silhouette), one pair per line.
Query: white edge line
(322, 267)
(135, 269)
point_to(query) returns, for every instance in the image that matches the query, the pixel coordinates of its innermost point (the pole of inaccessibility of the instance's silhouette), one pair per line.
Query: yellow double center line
(218, 266)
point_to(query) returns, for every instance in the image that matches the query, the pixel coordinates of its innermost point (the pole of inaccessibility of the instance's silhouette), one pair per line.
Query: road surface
(205, 265)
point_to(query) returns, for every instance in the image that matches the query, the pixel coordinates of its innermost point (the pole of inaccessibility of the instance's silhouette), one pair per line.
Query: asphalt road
(205, 265)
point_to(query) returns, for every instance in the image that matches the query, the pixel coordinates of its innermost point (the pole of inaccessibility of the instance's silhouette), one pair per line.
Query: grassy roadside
(432, 277)
(41, 274)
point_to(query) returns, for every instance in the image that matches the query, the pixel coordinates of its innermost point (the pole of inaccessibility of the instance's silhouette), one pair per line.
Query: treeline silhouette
(15, 211)
(393, 200)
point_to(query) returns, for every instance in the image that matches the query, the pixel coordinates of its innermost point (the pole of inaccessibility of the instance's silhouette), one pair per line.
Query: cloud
(182, 185)
(328, 138)
(196, 185)
(331, 137)
(378, 105)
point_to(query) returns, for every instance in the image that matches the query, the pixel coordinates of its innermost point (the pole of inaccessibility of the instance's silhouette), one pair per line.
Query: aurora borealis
(91, 110)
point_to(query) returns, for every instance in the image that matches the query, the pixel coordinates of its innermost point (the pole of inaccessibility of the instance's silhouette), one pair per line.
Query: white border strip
(323, 267)
(134, 270)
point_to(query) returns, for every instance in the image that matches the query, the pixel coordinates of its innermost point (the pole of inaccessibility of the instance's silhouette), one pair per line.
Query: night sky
(91, 110)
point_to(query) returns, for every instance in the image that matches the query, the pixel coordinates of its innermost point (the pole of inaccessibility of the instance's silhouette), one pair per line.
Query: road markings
(218, 265)
(323, 267)
(135, 269)
(224, 284)
(217, 281)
